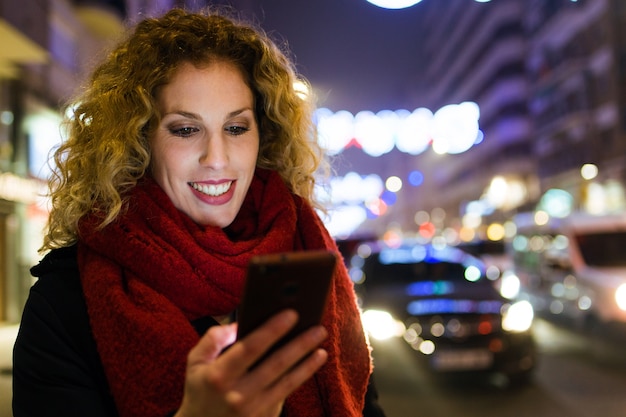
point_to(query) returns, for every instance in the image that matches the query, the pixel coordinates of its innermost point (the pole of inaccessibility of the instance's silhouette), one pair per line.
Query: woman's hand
(222, 384)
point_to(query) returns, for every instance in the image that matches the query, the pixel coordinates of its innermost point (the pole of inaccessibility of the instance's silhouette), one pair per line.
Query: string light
(403, 4)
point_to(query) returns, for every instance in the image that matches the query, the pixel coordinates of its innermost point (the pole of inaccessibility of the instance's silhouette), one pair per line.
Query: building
(577, 74)
(47, 48)
(550, 88)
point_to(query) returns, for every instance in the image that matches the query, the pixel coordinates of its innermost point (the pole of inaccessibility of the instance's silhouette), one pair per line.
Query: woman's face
(205, 148)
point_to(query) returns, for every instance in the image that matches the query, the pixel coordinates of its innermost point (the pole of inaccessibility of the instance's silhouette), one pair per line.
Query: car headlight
(517, 317)
(620, 296)
(381, 325)
(509, 285)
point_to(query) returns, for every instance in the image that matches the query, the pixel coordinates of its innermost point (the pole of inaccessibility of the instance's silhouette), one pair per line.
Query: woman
(188, 153)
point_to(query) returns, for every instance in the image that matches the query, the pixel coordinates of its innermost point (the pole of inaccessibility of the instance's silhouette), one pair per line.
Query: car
(440, 302)
(493, 253)
(498, 262)
(573, 269)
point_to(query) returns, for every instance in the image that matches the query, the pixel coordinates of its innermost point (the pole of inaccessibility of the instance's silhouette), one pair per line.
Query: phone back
(275, 282)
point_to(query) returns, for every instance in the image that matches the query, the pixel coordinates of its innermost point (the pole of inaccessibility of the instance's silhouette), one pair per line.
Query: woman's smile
(212, 190)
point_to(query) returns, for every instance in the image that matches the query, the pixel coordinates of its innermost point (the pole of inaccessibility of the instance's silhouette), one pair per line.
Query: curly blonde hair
(107, 150)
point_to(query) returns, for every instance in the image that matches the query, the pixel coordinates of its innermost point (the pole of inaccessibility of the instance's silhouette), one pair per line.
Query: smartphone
(275, 282)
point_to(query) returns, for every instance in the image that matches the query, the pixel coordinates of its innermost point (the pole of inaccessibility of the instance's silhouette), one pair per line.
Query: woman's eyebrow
(239, 111)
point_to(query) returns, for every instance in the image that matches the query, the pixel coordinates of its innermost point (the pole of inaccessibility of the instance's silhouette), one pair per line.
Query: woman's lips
(214, 194)
(213, 190)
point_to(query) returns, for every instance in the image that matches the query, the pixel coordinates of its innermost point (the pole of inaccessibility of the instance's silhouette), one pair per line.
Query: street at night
(492, 128)
(576, 376)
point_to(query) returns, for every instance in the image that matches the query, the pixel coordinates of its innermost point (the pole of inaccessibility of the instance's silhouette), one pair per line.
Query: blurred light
(485, 327)
(335, 130)
(537, 244)
(557, 203)
(455, 128)
(589, 171)
(557, 290)
(518, 317)
(427, 230)
(364, 250)
(393, 237)
(467, 234)
(439, 242)
(472, 220)
(389, 198)
(354, 188)
(495, 232)
(620, 297)
(556, 307)
(451, 236)
(24, 190)
(343, 220)
(520, 243)
(541, 218)
(421, 217)
(505, 193)
(351, 199)
(430, 306)
(413, 135)
(6, 117)
(373, 133)
(427, 347)
(472, 273)
(44, 134)
(394, 4)
(377, 207)
(596, 199)
(496, 193)
(412, 334)
(381, 325)
(584, 303)
(416, 178)
(509, 285)
(496, 345)
(437, 215)
(510, 229)
(356, 274)
(429, 288)
(437, 329)
(492, 272)
(393, 184)
(560, 242)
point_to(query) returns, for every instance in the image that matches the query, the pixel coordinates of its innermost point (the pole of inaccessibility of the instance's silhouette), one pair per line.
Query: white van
(574, 267)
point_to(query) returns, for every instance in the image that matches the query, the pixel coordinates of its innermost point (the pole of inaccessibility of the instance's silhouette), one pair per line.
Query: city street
(575, 377)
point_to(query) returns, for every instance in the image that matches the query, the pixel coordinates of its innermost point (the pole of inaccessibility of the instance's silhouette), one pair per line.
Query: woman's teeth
(213, 190)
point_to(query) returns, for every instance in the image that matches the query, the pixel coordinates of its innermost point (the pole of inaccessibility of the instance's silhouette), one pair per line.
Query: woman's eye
(236, 130)
(183, 131)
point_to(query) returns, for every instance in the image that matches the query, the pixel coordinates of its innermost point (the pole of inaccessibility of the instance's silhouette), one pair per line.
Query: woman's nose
(214, 152)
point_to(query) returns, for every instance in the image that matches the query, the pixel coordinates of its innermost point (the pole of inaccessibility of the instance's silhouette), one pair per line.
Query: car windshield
(484, 247)
(603, 249)
(406, 266)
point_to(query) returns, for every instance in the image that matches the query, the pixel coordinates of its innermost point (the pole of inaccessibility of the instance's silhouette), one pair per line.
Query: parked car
(440, 302)
(574, 268)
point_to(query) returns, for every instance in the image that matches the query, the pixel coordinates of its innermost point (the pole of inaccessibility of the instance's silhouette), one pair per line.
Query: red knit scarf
(153, 270)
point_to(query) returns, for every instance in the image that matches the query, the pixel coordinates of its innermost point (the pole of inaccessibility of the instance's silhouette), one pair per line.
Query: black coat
(56, 367)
